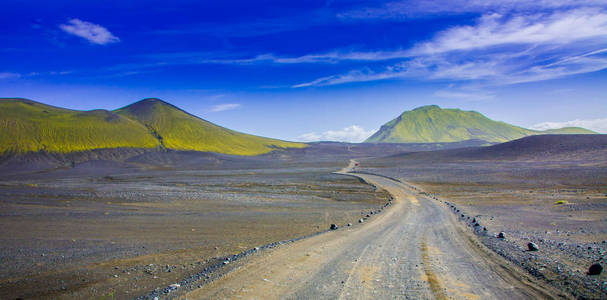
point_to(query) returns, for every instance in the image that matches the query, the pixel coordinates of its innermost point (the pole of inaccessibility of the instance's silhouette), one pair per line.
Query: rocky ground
(79, 234)
(559, 205)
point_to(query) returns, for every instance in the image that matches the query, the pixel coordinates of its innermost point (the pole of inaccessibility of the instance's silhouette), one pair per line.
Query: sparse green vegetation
(560, 202)
(29, 126)
(432, 124)
(177, 129)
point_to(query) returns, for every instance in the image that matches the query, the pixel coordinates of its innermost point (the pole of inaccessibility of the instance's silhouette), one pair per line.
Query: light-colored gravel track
(414, 249)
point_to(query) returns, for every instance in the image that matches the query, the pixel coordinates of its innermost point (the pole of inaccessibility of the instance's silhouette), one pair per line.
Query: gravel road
(414, 249)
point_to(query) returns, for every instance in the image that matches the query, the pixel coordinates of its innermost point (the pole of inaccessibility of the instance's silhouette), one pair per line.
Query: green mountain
(432, 124)
(179, 130)
(29, 126)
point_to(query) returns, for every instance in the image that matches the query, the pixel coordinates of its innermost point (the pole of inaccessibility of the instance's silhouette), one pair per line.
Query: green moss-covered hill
(179, 130)
(432, 124)
(29, 126)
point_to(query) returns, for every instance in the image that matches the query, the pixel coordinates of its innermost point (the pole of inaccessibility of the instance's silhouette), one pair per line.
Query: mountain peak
(148, 123)
(427, 107)
(148, 102)
(432, 124)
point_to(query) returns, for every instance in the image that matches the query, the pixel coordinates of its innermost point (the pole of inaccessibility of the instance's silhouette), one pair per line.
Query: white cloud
(598, 125)
(406, 9)
(93, 33)
(6, 75)
(352, 76)
(352, 134)
(326, 58)
(496, 30)
(224, 107)
(499, 50)
(478, 95)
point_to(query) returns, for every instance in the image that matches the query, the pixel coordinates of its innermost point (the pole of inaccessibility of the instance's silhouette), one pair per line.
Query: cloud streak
(225, 106)
(598, 125)
(408, 9)
(7, 75)
(498, 50)
(351, 134)
(94, 33)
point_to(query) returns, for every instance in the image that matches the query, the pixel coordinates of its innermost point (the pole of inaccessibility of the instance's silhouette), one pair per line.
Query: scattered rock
(501, 235)
(334, 227)
(532, 247)
(225, 262)
(595, 269)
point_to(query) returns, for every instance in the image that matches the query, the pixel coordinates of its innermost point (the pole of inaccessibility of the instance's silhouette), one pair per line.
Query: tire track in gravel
(414, 249)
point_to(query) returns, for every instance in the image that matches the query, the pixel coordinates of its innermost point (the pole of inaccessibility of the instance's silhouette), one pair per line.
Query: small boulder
(360, 220)
(595, 269)
(533, 247)
(349, 224)
(333, 227)
(501, 235)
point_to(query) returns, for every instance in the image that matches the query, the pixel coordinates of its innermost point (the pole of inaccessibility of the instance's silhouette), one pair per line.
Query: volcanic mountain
(432, 124)
(29, 126)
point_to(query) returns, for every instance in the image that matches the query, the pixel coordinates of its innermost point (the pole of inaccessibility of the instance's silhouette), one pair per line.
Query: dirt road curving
(414, 249)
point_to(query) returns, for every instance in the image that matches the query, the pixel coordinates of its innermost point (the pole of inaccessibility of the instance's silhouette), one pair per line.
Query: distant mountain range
(29, 126)
(432, 124)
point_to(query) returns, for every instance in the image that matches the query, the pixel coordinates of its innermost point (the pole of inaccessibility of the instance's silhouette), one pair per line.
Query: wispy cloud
(498, 50)
(352, 134)
(407, 9)
(225, 106)
(6, 75)
(336, 56)
(496, 30)
(598, 125)
(94, 33)
(466, 95)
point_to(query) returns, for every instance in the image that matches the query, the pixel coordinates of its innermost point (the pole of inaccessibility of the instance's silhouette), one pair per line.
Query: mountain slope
(29, 126)
(179, 130)
(432, 124)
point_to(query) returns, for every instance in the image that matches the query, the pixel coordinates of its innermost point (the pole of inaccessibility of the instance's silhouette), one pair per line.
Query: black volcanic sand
(551, 191)
(104, 228)
(121, 223)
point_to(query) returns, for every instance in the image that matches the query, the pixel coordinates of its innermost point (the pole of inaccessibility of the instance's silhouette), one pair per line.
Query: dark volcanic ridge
(537, 147)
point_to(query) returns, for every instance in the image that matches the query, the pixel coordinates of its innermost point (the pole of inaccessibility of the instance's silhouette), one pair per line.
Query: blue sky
(310, 70)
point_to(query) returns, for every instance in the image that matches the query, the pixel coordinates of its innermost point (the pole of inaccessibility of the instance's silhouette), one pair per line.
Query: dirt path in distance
(414, 249)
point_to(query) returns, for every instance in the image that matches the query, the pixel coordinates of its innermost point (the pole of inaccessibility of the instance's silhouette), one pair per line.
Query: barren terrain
(135, 224)
(413, 250)
(551, 191)
(76, 234)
